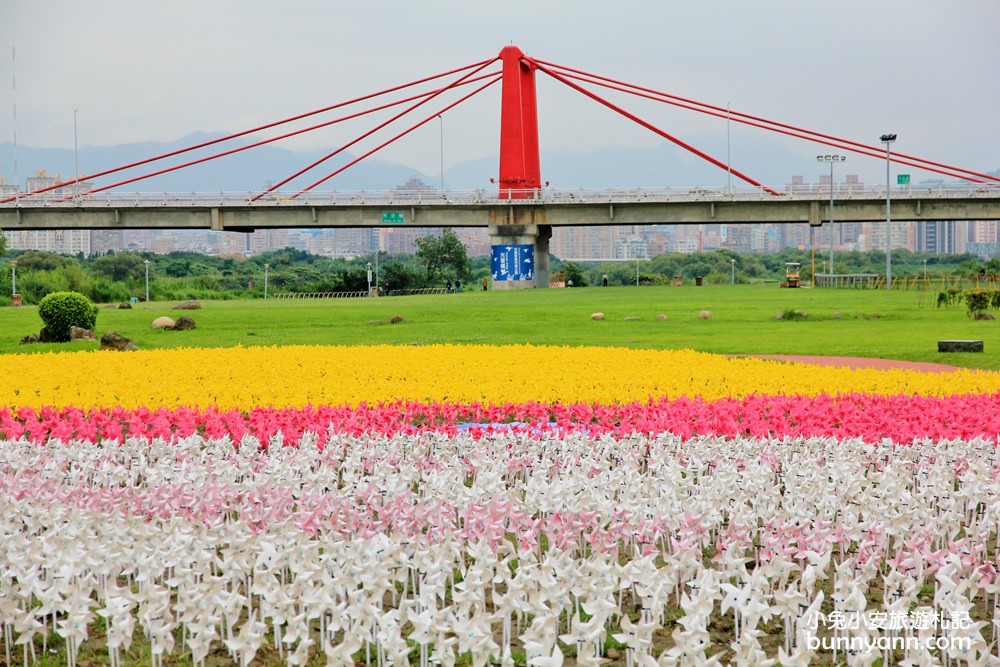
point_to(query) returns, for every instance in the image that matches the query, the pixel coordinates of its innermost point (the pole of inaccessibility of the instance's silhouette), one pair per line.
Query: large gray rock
(164, 323)
(188, 305)
(117, 342)
(29, 339)
(184, 323)
(80, 334)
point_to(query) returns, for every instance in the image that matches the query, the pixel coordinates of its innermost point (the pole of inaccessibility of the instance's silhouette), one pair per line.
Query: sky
(107, 72)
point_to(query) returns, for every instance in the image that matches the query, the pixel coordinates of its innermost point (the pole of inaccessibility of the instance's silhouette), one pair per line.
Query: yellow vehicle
(791, 274)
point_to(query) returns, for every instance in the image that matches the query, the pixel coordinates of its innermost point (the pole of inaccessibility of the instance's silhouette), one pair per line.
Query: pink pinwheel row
(902, 419)
(405, 516)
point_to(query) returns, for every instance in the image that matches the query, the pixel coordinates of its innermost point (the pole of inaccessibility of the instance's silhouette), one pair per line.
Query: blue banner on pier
(513, 262)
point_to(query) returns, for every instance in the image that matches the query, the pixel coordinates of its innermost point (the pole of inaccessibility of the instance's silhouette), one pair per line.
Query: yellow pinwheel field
(327, 375)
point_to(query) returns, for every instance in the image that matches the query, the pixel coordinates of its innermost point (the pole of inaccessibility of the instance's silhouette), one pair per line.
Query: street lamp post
(887, 139)
(146, 262)
(732, 264)
(925, 269)
(76, 160)
(13, 278)
(266, 267)
(832, 159)
(369, 278)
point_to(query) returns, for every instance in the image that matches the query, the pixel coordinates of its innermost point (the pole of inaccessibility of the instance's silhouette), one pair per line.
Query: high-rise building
(7, 189)
(62, 241)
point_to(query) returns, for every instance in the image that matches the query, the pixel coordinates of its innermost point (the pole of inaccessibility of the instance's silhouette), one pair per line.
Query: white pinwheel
(553, 660)
(248, 641)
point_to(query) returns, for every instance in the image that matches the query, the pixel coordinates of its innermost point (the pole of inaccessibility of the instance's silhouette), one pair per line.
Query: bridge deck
(481, 208)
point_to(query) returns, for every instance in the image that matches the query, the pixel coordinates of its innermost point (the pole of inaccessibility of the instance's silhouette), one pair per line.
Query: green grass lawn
(896, 325)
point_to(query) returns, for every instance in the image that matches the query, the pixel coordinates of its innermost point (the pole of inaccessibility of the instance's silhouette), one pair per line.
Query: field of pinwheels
(480, 504)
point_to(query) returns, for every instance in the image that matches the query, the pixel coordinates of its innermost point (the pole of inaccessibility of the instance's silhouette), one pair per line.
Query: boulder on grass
(163, 323)
(661, 317)
(597, 316)
(117, 342)
(184, 323)
(81, 334)
(29, 339)
(124, 305)
(396, 319)
(705, 315)
(188, 305)
(45, 337)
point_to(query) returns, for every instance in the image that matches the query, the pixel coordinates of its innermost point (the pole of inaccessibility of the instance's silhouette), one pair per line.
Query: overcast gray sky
(156, 71)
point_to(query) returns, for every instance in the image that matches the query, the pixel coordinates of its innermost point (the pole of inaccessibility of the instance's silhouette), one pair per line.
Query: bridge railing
(482, 196)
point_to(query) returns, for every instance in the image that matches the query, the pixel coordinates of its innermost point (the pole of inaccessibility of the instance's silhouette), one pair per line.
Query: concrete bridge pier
(519, 255)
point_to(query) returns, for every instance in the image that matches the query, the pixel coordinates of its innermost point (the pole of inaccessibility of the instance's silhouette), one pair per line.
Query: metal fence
(915, 282)
(359, 294)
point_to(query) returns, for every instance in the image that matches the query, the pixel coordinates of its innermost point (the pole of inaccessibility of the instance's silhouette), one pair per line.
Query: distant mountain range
(664, 165)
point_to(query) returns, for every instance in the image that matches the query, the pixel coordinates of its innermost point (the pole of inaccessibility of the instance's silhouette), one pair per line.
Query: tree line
(116, 277)
(724, 266)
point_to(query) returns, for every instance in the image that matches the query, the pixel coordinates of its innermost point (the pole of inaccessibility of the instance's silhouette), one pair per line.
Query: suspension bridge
(521, 211)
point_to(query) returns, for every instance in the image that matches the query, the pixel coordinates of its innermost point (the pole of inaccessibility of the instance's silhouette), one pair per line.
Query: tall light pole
(13, 278)
(369, 278)
(76, 158)
(266, 267)
(887, 139)
(732, 263)
(146, 262)
(832, 159)
(441, 118)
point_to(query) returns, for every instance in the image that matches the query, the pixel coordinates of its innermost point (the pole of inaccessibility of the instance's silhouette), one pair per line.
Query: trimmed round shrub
(62, 310)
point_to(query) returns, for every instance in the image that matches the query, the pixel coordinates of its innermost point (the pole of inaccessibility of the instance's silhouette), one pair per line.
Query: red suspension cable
(851, 146)
(478, 65)
(398, 136)
(651, 127)
(272, 139)
(772, 125)
(375, 129)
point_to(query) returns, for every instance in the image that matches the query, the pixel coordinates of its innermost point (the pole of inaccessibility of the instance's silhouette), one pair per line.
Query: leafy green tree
(443, 256)
(38, 260)
(60, 311)
(575, 273)
(400, 276)
(120, 267)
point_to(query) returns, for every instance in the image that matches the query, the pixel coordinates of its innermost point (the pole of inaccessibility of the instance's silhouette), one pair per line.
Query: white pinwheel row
(360, 544)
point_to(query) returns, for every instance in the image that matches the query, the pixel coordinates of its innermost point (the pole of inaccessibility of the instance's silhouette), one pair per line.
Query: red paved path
(860, 362)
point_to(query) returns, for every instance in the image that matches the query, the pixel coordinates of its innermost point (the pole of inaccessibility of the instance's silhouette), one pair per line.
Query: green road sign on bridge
(901, 179)
(393, 217)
